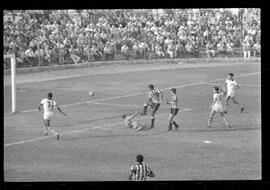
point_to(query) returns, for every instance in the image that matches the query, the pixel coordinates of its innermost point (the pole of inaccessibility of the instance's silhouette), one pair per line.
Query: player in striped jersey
(174, 109)
(48, 105)
(140, 171)
(155, 98)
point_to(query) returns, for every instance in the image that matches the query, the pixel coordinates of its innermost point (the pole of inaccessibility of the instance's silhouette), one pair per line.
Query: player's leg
(45, 127)
(212, 113)
(155, 108)
(226, 103)
(225, 119)
(174, 114)
(144, 109)
(52, 131)
(170, 121)
(242, 108)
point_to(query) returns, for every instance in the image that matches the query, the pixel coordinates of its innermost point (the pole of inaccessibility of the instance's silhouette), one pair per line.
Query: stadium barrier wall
(130, 62)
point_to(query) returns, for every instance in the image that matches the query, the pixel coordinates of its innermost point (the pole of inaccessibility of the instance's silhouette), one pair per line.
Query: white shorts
(217, 108)
(231, 93)
(47, 115)
(137, 126)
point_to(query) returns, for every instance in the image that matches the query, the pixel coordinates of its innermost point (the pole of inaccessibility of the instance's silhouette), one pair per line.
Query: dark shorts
(174, 111)
(154, 107)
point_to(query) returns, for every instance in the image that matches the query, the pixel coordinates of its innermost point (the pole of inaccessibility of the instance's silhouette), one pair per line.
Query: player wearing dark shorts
(174, 109)
(155, 97)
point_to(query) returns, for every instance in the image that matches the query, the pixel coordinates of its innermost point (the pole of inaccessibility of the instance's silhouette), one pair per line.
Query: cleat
(169, 129)
(57, 136)
(225, 111)
(151, 127)
(143, 113)
(242, 109)
(209, 126)
(230, 126)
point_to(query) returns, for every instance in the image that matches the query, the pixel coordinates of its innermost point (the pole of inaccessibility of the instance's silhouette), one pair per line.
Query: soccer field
(96, 146)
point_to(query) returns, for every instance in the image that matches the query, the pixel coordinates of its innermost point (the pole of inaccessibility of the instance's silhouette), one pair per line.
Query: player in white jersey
(174, 109)
(48, 105)
(217, 106)
(133, 124)
(231, 85)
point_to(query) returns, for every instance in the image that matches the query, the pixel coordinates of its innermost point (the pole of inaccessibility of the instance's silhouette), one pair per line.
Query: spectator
(73, 55)
(30, 56)
(189, 49)
(159, 52)
(108, 51)
(256, 48)
(229, 46)
(80, 29)
(171, 50)
(210, 49)
(221, 48)
(246, 49)
(124, 51)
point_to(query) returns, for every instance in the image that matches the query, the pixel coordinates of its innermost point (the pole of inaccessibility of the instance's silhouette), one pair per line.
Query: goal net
(13, 80)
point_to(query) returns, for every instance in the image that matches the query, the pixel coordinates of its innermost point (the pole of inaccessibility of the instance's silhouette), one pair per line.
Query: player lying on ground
(133, 124)
(140, 171)
(231, 86)
(217, 106)
(155, 98)
(48, 105)
(174, 109)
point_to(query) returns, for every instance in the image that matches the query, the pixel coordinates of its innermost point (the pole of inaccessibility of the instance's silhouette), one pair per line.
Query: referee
(140, 171)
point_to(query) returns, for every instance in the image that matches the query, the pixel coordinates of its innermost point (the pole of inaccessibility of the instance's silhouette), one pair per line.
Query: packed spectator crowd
(72, 36)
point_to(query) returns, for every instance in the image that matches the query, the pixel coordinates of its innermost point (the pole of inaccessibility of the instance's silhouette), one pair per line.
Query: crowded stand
(49, 37)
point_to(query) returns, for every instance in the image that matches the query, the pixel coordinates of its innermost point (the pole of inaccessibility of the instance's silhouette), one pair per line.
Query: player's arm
(224, 86)
(237, 86)
(39, 107)
(223, 91)
(150, 173)
(130, 176)
(132, 115)
(213, 103)
(131, 173)
(161, 96)
(59, 109)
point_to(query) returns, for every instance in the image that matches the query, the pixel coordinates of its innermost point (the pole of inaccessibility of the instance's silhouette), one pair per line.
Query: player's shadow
(136, 133)
(220, 129)
(149, 132)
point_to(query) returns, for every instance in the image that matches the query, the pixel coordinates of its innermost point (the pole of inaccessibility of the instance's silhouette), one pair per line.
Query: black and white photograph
(161, 94)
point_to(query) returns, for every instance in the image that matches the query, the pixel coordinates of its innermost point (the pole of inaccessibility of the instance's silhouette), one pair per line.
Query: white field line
(86, 129)
(135, 94)
(250, 85)
(118, 105)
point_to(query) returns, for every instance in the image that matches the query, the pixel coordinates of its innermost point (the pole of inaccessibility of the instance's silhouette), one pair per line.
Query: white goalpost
(13, 81)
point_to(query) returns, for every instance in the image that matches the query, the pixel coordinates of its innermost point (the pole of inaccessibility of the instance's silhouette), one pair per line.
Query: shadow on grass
(150, 133)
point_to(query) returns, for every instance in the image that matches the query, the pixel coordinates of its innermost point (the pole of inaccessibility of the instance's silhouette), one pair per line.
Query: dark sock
(175, 124)
(144, 109)
(170, 126)
(152, 122)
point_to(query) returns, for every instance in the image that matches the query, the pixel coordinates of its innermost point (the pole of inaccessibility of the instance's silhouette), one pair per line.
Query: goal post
(13, 80)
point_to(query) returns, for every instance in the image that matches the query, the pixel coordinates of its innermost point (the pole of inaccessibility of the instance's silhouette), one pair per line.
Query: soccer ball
(91, 94)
